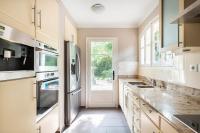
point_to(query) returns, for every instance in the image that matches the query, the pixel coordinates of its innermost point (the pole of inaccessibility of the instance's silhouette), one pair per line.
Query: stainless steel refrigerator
(72, 81)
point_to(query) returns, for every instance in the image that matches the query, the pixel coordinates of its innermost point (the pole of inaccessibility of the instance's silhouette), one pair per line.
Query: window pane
(142, 42)
(156, 42)
(101, 66)
(142, 56)
(148, 55)
(148, 37)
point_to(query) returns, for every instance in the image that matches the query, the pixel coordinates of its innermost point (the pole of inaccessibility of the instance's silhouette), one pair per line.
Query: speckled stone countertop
(168, 103)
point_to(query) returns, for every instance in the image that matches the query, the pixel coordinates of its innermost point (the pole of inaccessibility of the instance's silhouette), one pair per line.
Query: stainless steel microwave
(46, 58)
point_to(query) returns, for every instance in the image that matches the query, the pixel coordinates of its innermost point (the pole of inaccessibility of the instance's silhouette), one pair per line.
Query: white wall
(127, 51)
(180, 73)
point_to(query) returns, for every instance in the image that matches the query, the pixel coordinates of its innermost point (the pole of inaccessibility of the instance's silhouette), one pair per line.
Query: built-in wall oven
(46, 58)
(47, 91)
(46, 66)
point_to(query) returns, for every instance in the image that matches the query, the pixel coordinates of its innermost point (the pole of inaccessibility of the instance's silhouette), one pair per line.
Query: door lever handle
(113, 75)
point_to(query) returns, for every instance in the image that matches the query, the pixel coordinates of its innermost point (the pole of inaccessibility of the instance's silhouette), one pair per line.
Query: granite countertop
(168, 103)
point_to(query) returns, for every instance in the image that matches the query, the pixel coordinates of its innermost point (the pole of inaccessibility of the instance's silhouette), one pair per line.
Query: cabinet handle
(40, 19)
(39, 129)
(33, 15)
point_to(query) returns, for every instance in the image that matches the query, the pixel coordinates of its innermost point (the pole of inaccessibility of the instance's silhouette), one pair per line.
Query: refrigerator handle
(74, 93)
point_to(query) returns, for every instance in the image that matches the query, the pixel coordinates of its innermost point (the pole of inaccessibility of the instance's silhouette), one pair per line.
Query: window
(156, 47)
(150, 44)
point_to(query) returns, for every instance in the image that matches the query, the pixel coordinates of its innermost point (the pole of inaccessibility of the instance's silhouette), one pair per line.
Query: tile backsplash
(188, 91)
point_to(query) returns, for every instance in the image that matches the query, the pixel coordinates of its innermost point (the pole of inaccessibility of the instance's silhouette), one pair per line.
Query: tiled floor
(99, 121)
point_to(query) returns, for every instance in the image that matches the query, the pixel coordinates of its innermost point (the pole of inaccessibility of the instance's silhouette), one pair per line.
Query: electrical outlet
(198, 69)
(194, 68)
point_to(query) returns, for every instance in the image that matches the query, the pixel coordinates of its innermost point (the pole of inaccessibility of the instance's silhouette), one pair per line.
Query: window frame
(143, 34)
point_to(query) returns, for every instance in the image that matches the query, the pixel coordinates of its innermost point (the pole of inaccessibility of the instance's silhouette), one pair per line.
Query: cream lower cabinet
(121, 93)
(146, 125)
(18, 106)
(47, 22)
(50, 123)
(18, 14)
(166, 127)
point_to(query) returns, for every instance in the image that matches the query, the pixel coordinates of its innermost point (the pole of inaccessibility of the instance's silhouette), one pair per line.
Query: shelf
(190, 15)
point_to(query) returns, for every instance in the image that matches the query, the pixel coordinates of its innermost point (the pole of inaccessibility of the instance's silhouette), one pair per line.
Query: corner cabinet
(47, 22)
(18, 14)
(18, 106)
(50, 122)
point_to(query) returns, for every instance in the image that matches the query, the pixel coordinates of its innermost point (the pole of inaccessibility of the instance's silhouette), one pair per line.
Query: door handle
(113, 75)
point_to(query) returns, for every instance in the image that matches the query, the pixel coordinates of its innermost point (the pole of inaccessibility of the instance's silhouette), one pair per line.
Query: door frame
(115, 67)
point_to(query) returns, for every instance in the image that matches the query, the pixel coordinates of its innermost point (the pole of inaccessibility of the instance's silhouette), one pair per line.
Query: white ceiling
(117, 14)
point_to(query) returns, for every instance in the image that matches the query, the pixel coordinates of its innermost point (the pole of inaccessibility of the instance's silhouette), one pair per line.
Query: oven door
(47, 94)
(46, 61)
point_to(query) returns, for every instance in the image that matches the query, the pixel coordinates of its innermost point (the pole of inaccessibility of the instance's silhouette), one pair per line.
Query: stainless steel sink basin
(145, 86)
(137, 83)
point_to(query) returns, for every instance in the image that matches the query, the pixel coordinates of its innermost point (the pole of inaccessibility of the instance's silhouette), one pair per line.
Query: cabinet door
(146, 125)
(170, 9)
(18, 106)
(18, 14)
(70, 31)
(50, 123)
(166, 127)
(121, 92)
(47, 18)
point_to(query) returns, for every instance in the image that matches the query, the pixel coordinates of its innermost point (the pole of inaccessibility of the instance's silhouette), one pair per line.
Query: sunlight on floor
(99, 121)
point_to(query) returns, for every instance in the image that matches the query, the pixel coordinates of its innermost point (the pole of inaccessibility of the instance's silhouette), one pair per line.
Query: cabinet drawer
(166, 127)
(150, 112)
(136, 100)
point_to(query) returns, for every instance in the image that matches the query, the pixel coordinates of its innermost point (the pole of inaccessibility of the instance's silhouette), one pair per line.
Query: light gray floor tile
(99, 121)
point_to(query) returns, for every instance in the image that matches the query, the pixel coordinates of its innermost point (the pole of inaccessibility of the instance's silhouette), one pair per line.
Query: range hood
(190, 15)
(180, 50)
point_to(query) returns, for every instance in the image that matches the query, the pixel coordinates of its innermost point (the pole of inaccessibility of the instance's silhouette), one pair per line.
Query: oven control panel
(46, 75)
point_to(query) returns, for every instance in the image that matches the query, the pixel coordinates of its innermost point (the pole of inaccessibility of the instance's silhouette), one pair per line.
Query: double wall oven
(46, 66)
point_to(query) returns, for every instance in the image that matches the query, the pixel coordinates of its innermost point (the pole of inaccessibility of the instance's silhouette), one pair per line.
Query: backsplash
(188, 91)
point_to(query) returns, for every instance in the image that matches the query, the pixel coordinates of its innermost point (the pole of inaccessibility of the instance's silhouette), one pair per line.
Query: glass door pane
(101, 65)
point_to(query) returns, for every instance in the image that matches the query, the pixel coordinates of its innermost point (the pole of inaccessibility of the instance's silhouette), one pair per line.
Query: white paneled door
(101, 72)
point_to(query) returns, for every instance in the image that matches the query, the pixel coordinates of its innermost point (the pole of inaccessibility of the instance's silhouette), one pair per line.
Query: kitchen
(85, 67)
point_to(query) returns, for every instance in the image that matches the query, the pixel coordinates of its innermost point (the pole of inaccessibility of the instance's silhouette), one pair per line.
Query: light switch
(194, 68)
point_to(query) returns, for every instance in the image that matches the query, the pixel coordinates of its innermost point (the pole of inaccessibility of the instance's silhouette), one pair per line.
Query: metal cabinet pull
(33, 15)
(39, 129)
(40, 19)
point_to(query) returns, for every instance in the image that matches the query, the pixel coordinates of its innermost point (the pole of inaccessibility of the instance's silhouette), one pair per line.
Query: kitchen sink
(145, 86)
(137, 83)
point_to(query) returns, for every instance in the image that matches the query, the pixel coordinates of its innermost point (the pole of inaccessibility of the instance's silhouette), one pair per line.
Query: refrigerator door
(73, 106)
(70, 67)
(78, 72)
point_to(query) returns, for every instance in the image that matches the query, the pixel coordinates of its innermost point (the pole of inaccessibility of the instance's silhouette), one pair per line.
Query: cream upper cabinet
(47, 21)
(50, 123)
(18, 106)
(70, 31)
(18, 14)
(146, 125)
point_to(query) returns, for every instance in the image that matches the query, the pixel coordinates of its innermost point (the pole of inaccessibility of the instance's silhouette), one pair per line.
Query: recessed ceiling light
(98, 8)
